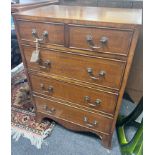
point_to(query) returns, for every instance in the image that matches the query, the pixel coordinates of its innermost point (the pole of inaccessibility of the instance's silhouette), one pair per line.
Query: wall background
(105, 3)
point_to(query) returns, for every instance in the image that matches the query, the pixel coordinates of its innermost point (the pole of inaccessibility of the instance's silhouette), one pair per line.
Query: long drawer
(96, 71)
(51, 33)
(97, 100)
(72, 114)
(100, 39)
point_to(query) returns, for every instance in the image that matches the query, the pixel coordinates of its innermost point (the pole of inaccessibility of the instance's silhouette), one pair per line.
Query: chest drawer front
(78, 116)
(86, 97)
(104, 40)
(28, 31)
(82, 68)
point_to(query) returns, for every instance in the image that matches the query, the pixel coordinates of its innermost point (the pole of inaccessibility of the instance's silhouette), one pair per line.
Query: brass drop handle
(42, 37)
(49, 90)
(91, 44)
(34, 33)
(44, 64)
(101, 74)
(92, 104)
(93, 124)
(48, 110)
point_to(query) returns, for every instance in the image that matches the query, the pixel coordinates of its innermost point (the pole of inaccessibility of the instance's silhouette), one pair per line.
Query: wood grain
(73, 114)
(105, 138)
(118, 39)
(68, 73)
(64, 91)
(75, 14)
(55, 31)
(75, 67)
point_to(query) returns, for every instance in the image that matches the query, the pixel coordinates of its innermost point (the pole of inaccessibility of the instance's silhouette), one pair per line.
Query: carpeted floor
(65, 142)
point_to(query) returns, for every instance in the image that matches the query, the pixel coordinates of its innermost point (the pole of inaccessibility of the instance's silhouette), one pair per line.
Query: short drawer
(96, 100)
(75, 115)
(97, 71)
(51, 33)
(103, 40)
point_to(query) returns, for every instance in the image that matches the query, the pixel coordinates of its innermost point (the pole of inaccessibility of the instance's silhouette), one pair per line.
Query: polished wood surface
(67, 79)
(75, 94)
(76, 67)
(73, 114)
(134, 85)
(77, 13)
(55, 31)
(118, 40)
(112, 16)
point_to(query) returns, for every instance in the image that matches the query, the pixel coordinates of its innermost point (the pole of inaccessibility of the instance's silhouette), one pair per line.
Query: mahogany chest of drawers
(83, 62)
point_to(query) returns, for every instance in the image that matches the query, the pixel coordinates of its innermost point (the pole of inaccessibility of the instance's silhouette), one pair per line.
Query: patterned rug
(23, 114)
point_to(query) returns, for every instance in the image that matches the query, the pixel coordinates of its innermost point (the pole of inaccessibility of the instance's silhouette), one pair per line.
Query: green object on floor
(135, 145)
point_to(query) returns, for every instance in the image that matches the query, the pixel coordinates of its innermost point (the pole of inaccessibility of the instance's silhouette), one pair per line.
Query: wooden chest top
(72, 14)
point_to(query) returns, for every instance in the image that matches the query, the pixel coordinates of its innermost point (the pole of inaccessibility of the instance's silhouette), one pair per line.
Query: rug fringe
(35, 140)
